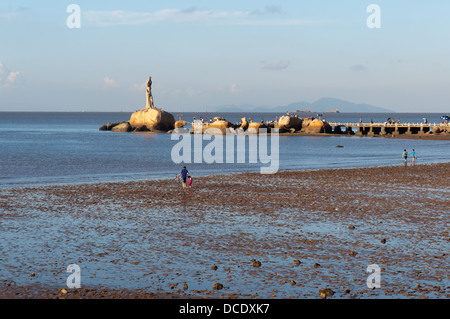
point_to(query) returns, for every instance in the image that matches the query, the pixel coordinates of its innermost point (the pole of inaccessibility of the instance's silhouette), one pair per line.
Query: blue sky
(204, 54)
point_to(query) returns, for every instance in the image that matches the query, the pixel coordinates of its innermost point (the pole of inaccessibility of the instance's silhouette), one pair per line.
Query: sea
(57, 148)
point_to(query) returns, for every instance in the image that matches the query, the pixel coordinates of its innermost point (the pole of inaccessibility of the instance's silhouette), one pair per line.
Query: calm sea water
(68, 148)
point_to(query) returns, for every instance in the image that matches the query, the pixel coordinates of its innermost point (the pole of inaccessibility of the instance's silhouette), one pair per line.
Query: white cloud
(234, 88)
(277, 66)
(7, 77)
(273, 9)
(192, 92)
(120, 17)
(138, 87)
(109, 82)
(9, 16)
(12, 76)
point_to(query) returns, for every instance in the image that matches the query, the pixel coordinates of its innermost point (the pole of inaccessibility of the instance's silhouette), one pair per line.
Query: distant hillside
(321, 105)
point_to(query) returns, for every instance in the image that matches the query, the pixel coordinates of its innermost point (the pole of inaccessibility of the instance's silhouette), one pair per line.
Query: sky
(205, 54)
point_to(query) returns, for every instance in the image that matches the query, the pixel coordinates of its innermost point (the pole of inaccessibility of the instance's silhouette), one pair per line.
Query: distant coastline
(323, 105)
(314, 112)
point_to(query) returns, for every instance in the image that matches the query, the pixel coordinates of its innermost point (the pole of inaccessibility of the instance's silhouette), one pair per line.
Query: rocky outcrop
(154, 119)
(318, 126)
(109, 126)
(244, 124)
(290, 122)
(221, 125)
(305, 123)
(254, 127)
(141, 128)
(179, 124)
(286, 124)
(123, 127)
(436, 130)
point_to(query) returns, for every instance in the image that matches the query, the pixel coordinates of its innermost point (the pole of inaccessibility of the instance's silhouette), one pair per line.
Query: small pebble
(256, 263)
(323, 293)
(217, 286)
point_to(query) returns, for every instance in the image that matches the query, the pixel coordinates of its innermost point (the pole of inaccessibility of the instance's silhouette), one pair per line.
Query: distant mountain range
(319, 106)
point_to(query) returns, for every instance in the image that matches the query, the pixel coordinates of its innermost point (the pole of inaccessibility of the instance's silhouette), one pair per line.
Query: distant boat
(302, 111)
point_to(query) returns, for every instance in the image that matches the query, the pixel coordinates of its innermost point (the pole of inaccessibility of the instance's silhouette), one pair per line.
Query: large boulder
(436, 130)
(305, 123)
(180, 123)
(244, 124)
(221, 125)
(141, 128)
(253, 127)
(290, 122)
(123, 127)
(154, 119)
(318, 126)
(215, 127)
(109, 126)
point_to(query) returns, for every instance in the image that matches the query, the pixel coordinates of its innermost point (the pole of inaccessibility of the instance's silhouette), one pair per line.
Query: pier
(382, 129)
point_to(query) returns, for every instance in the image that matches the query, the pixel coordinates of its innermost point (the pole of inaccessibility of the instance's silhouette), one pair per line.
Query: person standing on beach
(405, 155)
(184, 172)
(413, 156)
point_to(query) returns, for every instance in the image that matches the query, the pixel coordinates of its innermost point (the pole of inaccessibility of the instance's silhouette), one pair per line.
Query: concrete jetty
(383, 129)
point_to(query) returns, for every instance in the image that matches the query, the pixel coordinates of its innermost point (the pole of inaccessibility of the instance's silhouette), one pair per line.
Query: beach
(282, 236)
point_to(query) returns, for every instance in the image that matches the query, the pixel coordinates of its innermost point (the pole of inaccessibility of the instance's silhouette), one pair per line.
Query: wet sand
(280, 236)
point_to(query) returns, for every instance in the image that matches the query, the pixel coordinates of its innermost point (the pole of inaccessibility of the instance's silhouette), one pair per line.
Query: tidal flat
(284, 235)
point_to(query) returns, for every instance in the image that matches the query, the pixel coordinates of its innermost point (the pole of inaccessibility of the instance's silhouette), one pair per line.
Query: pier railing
(388, 124)
(373, 129)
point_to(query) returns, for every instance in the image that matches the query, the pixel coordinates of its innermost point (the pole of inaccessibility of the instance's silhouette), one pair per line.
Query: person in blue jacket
(413, 156)
(405, 155)
(184, 172)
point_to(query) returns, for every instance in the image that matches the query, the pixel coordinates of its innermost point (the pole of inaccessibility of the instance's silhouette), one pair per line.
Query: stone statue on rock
(149, 104)
(149, 118)
(153, 118)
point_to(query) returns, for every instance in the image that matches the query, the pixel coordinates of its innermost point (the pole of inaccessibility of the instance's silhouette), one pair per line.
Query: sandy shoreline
(308, 229)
